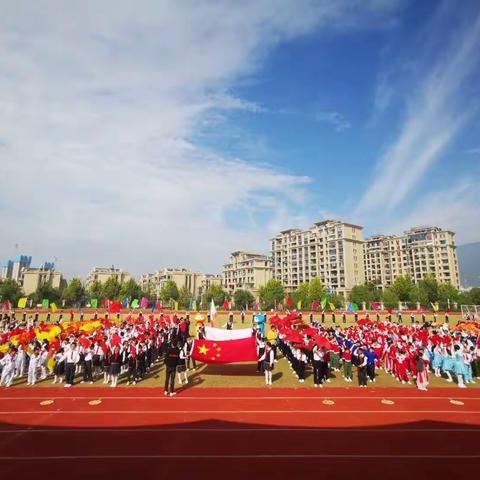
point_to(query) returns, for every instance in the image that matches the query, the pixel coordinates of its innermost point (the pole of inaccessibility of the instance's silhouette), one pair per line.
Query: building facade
(101, 274)
(13, 269)
(246, 271)
(417, 253)
(192, 281)
(35, 277)
(330, 250)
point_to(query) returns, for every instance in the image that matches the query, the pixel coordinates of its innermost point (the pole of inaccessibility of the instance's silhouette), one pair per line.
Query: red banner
(225, 351)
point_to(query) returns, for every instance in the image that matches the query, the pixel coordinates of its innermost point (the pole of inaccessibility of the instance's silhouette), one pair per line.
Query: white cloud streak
(436, 112)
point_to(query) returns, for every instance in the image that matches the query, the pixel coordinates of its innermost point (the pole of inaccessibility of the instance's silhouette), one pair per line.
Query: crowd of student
(407, 353)
(131, 348)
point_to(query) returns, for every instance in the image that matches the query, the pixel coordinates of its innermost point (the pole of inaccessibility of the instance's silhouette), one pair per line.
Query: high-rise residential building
(246, 271)
(418, 252)
(12, 269)
(102, 274)
(182, 277)
(330, 250)
(32, 278)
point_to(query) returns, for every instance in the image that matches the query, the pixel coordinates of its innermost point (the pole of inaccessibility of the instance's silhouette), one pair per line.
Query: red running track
(218, 433)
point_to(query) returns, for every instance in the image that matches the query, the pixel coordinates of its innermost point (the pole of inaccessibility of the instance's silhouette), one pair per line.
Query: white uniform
(20, 362)
(32, 368)
(8, 371)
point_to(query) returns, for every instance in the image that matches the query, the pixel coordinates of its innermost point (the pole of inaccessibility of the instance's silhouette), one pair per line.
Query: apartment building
(13, 269)
(102, 274)
(331, 250)
(246, 271)
(193, 281)
(418, 252)
(32, 278)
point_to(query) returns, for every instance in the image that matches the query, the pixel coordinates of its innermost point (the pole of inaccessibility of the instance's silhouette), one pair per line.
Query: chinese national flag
(225, 351)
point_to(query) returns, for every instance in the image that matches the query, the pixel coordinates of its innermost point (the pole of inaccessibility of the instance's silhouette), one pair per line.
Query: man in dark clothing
(171, 362)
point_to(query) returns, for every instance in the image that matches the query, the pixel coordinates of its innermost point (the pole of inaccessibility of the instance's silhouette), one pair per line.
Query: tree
(316, 291)
(390, 298)
(169, 291)
(184, 298)
(10, 290)
(111, 289)
(271, 294)
(46, 291)
(448, 295)
(74, 293)
(361, 294)
(429, 287)
(243, 298)
(96, 291)
(403, 288)
(337, 300)
(301, 295)
(130, 290)
(473, 296)
(217, 293)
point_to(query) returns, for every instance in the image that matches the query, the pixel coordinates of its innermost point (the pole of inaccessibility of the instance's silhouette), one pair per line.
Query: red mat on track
(232, 433)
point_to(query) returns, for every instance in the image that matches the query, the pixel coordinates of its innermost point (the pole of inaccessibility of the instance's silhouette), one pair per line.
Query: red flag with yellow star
(225, 351)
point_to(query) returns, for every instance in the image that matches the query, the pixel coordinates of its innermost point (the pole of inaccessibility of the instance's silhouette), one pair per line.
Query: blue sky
(172, 134)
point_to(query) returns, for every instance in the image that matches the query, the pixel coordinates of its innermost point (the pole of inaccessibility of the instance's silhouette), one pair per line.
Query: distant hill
(469, 264)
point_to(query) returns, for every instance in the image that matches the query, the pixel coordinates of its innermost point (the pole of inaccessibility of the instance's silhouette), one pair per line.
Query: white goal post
(470, 312)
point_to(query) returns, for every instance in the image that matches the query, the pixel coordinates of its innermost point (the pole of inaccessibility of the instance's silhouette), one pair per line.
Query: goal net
(470, 312)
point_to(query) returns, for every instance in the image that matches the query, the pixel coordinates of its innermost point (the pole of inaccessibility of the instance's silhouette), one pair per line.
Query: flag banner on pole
(212, 333)
(45, 303)
(144, 302)
(332, 306)
(53, 307)
(114, 307)
(134, 303)
(299, 305)
(213, 309)
(225, 304)
(289, 302)
(226, 351)
(8, 305)
(324, 303)
(194, 306)
(176, 306)
(94, 302)
(435, 307)
(22, 302)
(314, 305)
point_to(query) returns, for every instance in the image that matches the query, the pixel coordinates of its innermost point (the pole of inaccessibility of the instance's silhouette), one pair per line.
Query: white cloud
(100, 104)
(454, 208)
(436, 112)
(335, 119)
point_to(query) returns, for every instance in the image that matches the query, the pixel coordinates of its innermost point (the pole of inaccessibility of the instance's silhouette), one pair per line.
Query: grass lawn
(244, 374)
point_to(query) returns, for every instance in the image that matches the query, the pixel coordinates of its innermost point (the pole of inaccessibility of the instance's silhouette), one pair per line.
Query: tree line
(271, 295)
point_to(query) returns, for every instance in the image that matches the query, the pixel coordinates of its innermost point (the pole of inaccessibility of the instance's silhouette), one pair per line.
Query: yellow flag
(54, 308)
(332, 306)
(299, 305)
(194, 305)
(22, 302)
(176, 306)
(435, 307)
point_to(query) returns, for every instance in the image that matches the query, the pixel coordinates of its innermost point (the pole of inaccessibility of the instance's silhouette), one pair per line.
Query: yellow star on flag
(203, 349)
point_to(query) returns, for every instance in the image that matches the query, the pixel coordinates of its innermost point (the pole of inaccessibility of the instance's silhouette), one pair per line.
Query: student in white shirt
(8, 368)
(72, 357)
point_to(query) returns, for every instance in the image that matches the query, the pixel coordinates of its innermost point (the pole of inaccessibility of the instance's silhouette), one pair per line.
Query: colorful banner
(53, 307)
(227, 351)
(94, 303)
(134, 303)
(22, 302)
(45, 303)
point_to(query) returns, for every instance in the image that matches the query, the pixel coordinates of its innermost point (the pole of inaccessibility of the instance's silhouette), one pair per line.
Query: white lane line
(240, 456)
(215, 412)
(181, 397)
(376, 430)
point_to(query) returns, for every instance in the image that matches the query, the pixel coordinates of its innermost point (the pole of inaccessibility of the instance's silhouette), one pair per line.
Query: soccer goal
(470, 312)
